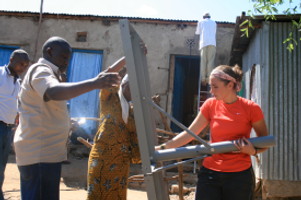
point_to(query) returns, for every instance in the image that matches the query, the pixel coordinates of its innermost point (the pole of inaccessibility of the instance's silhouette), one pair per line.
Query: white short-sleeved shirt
(206, 28)
(42, 134)
(9, 88)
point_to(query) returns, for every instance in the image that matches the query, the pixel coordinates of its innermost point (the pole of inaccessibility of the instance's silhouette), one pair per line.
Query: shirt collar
(53, 67)
(10, 73)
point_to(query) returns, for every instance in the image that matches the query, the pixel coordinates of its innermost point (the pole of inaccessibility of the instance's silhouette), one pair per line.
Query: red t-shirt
(230, 122)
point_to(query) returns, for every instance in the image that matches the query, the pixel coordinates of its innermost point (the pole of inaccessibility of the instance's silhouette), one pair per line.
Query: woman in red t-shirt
(227, 176)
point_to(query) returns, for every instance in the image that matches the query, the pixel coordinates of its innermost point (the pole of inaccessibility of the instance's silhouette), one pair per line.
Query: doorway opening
(185, 90)
(85, 64)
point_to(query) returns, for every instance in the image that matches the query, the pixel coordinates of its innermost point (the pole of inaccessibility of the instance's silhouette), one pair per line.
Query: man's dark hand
(107, 80)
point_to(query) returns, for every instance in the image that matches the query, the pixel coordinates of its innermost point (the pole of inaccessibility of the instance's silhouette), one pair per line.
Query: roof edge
(240, 43)
(98, 17)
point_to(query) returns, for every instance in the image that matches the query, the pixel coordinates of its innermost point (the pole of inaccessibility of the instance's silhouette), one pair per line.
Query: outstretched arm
(117, 66)
(106, 79)
(66, 91)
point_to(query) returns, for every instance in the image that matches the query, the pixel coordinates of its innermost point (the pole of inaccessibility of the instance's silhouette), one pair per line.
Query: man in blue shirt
(9, 88)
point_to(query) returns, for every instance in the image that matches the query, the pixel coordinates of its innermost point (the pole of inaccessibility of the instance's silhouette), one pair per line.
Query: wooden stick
(157, 100)
(136, 178)
(84, 142)
(165, 132)
(175, 177)
(180, 170)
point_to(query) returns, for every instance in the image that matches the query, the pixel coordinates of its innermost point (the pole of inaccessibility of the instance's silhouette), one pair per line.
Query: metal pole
(157, 188)
(177, 164)
(181, 125)
(219, 147)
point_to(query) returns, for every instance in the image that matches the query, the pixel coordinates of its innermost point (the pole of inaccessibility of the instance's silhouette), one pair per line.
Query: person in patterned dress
(115, 146)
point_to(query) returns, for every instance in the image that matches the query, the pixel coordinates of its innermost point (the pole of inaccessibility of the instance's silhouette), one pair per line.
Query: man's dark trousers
(5, 144)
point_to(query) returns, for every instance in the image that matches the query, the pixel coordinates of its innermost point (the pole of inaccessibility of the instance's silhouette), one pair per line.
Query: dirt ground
(11, 186)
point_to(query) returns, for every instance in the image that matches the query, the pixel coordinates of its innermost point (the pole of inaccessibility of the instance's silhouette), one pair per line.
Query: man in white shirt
(206, 28)
(9, 88)
(41, 137)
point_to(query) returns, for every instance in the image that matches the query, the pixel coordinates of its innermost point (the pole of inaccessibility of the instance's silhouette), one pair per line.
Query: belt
(9, 125)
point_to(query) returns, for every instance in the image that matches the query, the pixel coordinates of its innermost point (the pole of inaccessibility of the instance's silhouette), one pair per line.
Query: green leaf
(286, 11)
(290, 47)
(274, 10)
(250, 24)
(244, 22)
(295, 23)
(286, 40)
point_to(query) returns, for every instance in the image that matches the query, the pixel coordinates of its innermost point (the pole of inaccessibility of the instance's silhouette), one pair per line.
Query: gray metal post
(157, 188)
(219, 147)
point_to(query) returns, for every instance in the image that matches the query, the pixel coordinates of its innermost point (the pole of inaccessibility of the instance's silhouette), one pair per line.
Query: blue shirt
(9, 88)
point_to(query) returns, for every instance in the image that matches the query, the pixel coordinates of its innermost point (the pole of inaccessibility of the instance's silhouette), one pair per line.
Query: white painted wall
(163, 38)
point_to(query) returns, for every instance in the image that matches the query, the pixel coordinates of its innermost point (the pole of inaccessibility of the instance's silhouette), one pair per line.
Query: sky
(220, 10)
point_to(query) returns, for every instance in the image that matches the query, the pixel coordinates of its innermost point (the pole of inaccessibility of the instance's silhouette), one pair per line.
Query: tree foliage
(270, 9)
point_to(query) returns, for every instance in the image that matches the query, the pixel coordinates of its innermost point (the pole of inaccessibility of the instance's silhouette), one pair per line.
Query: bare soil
(70, 188)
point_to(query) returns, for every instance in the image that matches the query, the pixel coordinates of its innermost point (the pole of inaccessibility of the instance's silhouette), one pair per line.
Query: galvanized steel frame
(157, 187)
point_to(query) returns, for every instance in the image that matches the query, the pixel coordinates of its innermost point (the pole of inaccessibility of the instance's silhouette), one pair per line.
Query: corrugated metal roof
(97, 17)
(240, 43)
